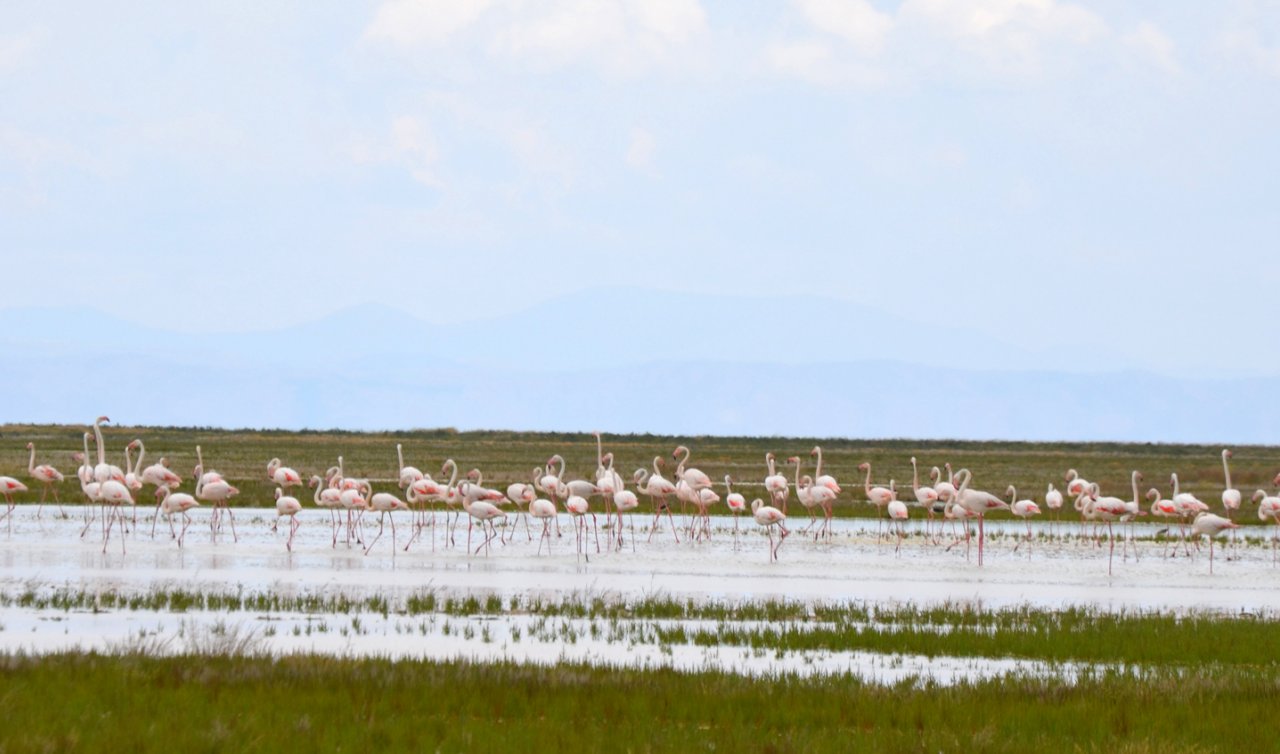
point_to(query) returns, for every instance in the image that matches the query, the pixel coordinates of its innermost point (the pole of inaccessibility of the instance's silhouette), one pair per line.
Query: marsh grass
(297, 703)
(1073, 634)
(505, 457)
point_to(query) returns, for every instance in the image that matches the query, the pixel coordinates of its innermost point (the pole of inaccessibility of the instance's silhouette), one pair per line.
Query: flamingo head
(1226, 453)
(864, 466)
(133, 445)
(30, 445)
(77, 456)
(1138, 475)
(103, 419)
(164, 462)
(793, 459)
(1276, 481)
(816, 450)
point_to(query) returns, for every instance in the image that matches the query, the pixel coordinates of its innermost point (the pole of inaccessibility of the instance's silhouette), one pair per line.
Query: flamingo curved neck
(97, 436)
(867, 484)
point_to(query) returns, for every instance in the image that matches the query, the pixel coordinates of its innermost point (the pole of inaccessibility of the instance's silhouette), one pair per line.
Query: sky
(1100, 176)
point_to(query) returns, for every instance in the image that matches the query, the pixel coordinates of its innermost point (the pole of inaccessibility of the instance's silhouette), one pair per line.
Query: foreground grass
(507, 457)
(85, 702)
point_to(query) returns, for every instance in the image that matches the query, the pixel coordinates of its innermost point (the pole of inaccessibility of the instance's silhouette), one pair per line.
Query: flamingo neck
(1226, 470)
(97, 436)
(31, 463)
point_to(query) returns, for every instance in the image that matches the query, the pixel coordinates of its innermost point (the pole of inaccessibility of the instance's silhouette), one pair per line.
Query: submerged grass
(201, 703)
(1073, 634)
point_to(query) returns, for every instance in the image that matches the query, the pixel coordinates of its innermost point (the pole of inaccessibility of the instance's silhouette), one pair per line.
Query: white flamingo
(770, 517)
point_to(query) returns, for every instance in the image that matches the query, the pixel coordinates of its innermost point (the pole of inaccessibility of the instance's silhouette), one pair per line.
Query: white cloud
(408, 22)
(620, 34)
(817, 62)
(414, 141)
(1153, 45)
(1244, 45)
(855, 20)
(641, 151)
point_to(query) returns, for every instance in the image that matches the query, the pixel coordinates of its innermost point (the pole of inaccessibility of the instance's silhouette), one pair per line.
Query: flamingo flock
(949, 497)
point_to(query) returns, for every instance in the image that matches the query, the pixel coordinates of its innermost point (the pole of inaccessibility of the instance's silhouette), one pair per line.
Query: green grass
(505, 457)
(89, 703)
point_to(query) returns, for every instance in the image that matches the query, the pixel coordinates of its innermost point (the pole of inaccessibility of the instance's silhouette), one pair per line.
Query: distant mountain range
(616, 360)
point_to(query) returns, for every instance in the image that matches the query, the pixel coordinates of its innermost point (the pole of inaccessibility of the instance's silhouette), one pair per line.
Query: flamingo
(1133, 509)
(1108, 509)
(1230, 495)
(521, 495)
(175, 502)
(703, 500)
(877, 496)
(544, 510)
(1053, 501)
(287, 505)
(208, 477)
(945, 488)
(1168, 509)
(420, 495)
(408, 474)
(1076, 483)
(1211, 525)
(977, 503)
(45, 475)
(820, 497)
(1023, 509)
(897, 511)
(549, 484)
(330, 499)
(775, 484)
(694, 478)
(609, 481)
(452, 500)
(925, 495)
(103, 470)
(625, 501)
(485, 513)
(578, 507)
(736, 504)
(218, 492)
(283, 475)
(114, 495)
(769, 517)
(1185, 500)
(385, 505)
(658, 488)
(353, 500)
(1269, 507)
(157, 474)
(820, 479)
(804, 493)
(8, 488)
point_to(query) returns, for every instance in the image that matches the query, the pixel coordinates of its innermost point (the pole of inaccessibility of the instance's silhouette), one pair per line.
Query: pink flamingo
(287, 505)
(1053, 501)
(770, 517)
(1023, 509)
(8, 488)
(114, 495)
(1167, 509)
(898, 514)
(175, 502)
(736, 504)
(218, 492)
(283, 475)
(1108, 509)
(485, 513)
(877, 496)
(544, 511)
(822, 497)
(330, 499)
(775, 484)
(578, 507)
(625, 501)
(977, 503)
(1211, 525)
(408, 474)
(926, 496)
(45, 475)
(820, 479)
(658, 489)
(1230, 495)
(1269, 507)
(385, 505)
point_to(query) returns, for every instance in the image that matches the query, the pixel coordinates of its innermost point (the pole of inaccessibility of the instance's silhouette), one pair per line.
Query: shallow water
(48, 554)
(852, 565)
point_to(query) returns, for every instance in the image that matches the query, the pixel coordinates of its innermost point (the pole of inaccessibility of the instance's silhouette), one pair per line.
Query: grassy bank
(505, 457)
(92, 703)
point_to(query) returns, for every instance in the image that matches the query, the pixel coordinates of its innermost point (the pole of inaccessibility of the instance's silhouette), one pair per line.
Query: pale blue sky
(1036, 170)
